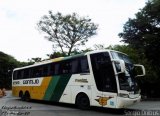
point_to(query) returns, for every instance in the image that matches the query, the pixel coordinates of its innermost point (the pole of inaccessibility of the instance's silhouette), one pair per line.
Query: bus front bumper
(125, 102)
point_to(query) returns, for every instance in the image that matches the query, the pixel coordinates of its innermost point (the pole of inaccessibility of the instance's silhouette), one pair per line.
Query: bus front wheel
(82, 101)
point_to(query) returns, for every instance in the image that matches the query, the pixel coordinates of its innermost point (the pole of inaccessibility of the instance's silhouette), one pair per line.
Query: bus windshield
(127, 81)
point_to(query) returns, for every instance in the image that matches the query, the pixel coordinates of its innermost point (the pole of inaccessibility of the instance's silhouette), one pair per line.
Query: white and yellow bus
(104, 78)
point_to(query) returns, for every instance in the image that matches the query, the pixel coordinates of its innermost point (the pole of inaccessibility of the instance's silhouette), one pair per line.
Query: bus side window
(74, 68)
(51, 69)
(84, 65)
(37, 72)
(45, 70)
(54, 69)
(18, 74)
(66, 67)
(31, 73)
(26, 74)
(57, 69)
(15, 75)
(21, 76)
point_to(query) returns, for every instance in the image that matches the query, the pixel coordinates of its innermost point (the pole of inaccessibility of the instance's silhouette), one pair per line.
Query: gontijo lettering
(36, 81)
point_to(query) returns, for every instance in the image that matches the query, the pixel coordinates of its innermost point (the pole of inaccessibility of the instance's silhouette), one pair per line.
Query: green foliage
(151, 74)
(132, 53)
(33, 60)
(66, 31)
(56, 55)
(143, 33)
(74, 52)
(7, 64)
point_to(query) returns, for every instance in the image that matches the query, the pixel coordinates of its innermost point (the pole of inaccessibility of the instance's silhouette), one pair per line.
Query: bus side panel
(77, 84)
(16, 90)
(67, 95)
(35, 91)
(38, 92)
(56, 87)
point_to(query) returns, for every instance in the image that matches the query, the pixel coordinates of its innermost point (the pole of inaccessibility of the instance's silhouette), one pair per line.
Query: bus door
(104, 78)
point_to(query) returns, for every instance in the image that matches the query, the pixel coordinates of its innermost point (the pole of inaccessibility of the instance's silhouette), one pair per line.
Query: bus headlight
(123, 95)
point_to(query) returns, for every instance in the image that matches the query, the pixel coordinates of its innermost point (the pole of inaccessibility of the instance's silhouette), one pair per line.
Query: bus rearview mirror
(139, 69)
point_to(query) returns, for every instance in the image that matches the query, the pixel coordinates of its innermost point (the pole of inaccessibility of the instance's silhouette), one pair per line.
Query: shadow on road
(71, 107)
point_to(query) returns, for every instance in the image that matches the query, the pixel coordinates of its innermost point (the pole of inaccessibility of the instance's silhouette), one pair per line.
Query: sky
(20, 38)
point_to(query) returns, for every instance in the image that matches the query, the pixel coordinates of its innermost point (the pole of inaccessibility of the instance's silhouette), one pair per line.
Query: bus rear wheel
(21, 95)
(27, 96)
(82, 101)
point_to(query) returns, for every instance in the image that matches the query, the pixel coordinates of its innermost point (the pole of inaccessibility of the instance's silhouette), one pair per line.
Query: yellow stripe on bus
(39, 91)
(36, 92)
(57, 59)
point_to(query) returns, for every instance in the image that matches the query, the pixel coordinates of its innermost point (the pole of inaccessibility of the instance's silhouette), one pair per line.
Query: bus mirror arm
(143, 70)
(121, 64)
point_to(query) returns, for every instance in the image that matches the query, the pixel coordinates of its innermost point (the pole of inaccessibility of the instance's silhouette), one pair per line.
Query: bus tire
(27, 96)
(21, 95)
(82, 101)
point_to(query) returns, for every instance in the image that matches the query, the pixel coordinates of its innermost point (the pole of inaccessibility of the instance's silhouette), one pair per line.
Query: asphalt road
(12, 106)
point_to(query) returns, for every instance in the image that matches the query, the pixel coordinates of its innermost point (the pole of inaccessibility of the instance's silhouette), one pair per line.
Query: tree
(66, 31)
(143, 33)
(7, 64)
(74, 52)
(56, 55)
(149, 84)
(33, 60)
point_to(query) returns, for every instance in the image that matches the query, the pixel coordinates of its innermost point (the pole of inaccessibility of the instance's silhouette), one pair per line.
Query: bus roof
(105, 50)
(65, 58)
(50, 61)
